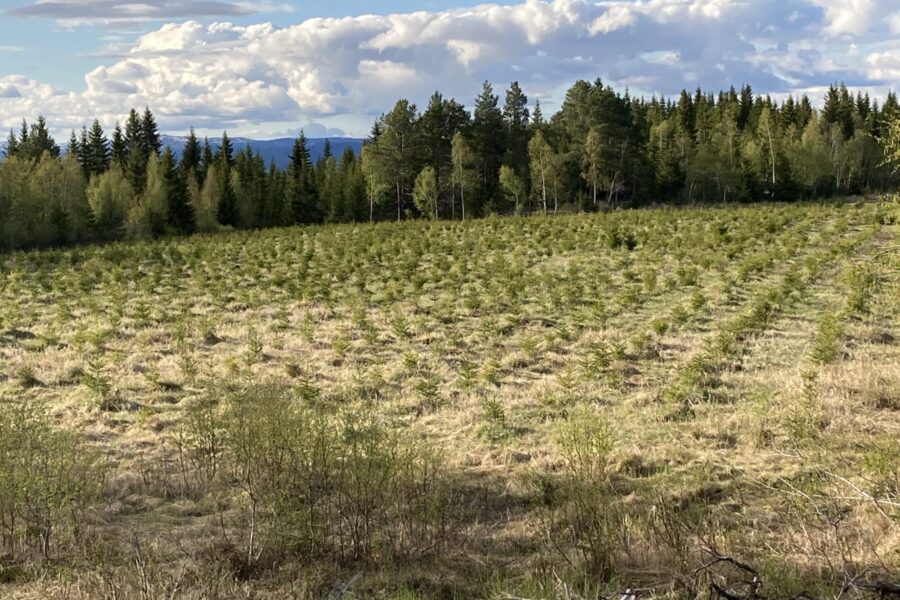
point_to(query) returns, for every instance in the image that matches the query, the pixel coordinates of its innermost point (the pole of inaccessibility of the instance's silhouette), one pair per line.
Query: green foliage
(827, 340)
(587, 510)
(338, 485)
(49, 481)
(112, 200)
(601, 145)
(425, 195)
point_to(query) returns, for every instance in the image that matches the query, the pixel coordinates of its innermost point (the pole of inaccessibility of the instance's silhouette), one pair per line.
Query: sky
(268, 68)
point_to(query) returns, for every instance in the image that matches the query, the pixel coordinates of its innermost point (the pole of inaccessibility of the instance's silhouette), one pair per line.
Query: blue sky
(267, 68)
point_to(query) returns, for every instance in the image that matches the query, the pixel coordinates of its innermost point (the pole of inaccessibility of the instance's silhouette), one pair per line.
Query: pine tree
(486, 144)
(516, 118)
(399, 150)
(437, 125)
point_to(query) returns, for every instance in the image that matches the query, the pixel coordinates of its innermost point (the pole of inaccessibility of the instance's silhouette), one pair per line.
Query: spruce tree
(39, 140)
(73, 148)
(191, 156)
(228, 209)
(98, 150)
(150, 139)
(84, 152)
(207, 160)
(299, 183)
(135, 157)
(180, 212)
(118, 148)
(537, 117)
(23, 134)
(12, 144)
(745, 102)
(225, 152)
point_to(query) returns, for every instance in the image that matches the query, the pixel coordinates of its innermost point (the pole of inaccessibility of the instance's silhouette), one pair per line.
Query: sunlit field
(684, 402)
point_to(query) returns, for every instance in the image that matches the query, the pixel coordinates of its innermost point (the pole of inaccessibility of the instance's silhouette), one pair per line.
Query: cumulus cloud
(854, 17)
(344, 71)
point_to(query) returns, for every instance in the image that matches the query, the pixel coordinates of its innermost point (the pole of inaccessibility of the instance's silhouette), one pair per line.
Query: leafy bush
(582, 505)
(48, 482)
(327, 484)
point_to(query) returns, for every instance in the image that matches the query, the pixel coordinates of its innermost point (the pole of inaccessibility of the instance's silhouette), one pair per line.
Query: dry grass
(697, 350)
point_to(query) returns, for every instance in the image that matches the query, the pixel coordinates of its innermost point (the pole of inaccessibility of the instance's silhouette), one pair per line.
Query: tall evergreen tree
(72, 147)
(118, 148)
(207, 160)
(97, 152)
(12, 144)
(136, 155)
(488, 147)
(191, 156)
(150, 138)
(399, 150)
(516, 118)
(299, 186)
(225, 152)
(180, 213)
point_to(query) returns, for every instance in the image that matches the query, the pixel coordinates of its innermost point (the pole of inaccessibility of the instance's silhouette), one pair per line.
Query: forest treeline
(601, 149)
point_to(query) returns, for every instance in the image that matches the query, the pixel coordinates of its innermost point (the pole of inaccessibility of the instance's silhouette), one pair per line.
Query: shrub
(329, 485)
(48, 482)
(587, 511)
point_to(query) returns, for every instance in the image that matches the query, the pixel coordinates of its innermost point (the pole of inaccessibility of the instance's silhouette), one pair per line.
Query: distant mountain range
(278, 150)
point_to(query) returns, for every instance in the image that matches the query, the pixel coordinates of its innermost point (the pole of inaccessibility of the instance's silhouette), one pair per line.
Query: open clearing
(593, 403)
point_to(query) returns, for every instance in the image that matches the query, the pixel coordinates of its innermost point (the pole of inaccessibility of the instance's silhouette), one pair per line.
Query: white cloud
(344, 71)
(854, 17)
(74, 13)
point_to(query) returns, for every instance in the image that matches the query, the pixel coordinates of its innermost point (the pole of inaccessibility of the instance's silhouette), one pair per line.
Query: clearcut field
(536, 407)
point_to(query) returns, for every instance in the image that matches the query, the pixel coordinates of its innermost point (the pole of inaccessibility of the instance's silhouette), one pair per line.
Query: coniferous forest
(602, 149)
